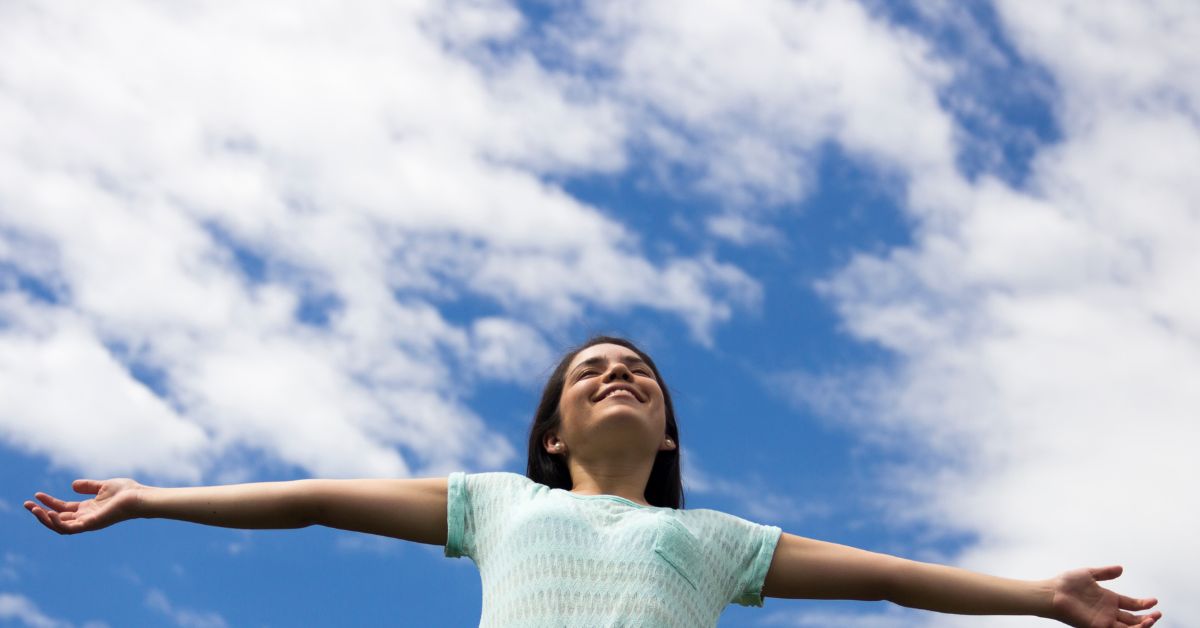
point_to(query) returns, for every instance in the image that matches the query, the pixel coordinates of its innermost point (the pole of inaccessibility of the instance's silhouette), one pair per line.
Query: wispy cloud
(183, 617)
(754, 497)
(128, 574)
(737, 101)
(367, 543)
(10, 566)
(23, 611)
(243, 542)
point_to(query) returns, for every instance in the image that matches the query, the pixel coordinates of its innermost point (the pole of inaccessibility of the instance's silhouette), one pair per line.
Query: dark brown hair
(665, 486)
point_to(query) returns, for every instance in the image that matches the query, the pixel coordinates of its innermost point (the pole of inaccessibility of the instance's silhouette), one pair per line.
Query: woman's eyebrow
(598, 360)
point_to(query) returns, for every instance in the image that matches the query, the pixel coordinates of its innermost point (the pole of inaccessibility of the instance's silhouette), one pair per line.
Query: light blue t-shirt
(549, 557)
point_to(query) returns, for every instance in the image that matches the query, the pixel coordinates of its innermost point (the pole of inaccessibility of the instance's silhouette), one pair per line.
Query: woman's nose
(618, 371)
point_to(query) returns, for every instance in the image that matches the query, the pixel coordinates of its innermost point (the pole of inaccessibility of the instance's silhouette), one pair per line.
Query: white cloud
(62, 393)
(1050, 336)
(739, 229)
(183, 617)
(743, 96)
(11, 566)
(1121, 54)
(508, 350)
(263, 218)
(20, 609)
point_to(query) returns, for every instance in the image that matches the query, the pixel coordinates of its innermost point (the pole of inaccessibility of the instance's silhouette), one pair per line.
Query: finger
(1135, 604)
(1135, 621)
(1144, 620)
(87, 487)
(55, 522)
(1106, 573)
(36, 511)
(59, 525)
(56, 503)
(44, 517)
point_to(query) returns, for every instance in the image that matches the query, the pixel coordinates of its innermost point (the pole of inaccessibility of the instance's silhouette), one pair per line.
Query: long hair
(665, 486)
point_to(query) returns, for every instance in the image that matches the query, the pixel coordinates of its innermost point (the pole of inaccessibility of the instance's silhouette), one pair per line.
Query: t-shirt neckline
(615, 498)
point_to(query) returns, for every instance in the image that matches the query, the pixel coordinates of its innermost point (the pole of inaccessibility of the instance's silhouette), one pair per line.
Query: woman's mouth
(618, 392)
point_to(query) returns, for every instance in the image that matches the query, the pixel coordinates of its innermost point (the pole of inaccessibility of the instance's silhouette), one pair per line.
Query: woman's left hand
(1080, 601)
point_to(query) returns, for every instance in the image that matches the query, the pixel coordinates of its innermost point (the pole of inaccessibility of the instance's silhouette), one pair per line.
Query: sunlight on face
(610, 393)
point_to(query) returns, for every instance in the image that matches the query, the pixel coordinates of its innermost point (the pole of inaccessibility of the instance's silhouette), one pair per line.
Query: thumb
(87, 487)
(1106, 573)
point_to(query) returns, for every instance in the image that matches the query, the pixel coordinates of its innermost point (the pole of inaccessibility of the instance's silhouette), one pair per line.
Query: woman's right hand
(115, 501)
(407, 509)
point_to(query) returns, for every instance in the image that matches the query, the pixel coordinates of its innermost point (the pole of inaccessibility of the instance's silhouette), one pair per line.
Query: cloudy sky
(922, 277)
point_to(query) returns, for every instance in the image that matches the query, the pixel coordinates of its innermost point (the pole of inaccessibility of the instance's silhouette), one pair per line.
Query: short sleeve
(476, 506)
(760, 549)
(740, 552)
(456, 509)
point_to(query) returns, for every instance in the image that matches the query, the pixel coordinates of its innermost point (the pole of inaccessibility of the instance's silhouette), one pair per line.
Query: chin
(618, 416)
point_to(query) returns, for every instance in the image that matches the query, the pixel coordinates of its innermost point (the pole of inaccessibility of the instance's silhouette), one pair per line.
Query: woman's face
(610, 397)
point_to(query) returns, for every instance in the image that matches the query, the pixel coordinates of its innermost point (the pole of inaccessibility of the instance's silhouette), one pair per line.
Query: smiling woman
(596, 534)
(564, 422)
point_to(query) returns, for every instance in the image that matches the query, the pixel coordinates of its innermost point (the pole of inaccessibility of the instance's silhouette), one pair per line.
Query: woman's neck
(622, 479)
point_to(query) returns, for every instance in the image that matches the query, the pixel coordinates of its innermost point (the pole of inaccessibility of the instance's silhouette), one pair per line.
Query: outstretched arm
(806, 568)
(410, 509)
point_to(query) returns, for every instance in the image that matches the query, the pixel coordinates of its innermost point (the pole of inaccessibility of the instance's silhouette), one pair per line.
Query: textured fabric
(548, 557)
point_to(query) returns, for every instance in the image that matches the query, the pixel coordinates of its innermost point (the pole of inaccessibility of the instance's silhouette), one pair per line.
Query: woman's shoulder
(708, 522)
(494, 476)
(493, 481)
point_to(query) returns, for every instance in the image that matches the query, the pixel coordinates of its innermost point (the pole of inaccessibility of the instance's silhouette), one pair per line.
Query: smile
(620, 390)
(619, 393)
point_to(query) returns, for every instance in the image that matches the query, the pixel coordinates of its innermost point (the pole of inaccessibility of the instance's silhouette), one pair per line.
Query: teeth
(619, 390)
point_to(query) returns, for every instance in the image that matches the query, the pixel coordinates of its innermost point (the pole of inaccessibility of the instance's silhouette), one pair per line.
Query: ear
(668, 444)
(553, 445)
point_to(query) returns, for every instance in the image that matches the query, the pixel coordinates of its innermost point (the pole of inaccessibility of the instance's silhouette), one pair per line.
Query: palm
(110, 505)
(1080, 601)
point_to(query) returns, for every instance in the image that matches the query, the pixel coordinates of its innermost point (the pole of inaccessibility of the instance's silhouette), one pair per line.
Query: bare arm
(806, 568)
(411, 509)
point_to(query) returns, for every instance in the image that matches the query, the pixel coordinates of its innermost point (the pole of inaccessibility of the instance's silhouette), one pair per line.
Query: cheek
(660, 405)
(573, 401)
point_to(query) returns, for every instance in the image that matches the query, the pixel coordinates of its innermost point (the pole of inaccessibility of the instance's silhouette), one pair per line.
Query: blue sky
(920, 276)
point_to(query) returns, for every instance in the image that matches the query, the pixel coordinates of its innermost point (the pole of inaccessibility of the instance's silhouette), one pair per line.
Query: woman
(596, 534)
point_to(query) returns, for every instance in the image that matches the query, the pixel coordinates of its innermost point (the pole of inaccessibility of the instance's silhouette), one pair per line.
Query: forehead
(605, 352)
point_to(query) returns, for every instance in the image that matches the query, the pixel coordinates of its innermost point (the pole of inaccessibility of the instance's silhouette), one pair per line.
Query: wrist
(1044, 592)
(140, 507)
